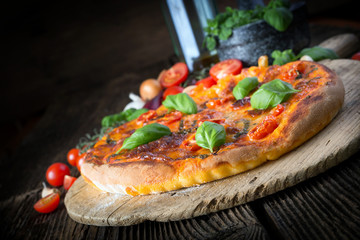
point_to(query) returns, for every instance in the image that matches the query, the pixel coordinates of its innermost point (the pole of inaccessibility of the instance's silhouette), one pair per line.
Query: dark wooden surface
(66, 66)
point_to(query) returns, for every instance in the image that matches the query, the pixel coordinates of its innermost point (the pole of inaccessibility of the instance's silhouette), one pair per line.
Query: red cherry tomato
(55, 174)
(172, 91)
(68, 181)
(207, 82)
(175, 75)
(72, 156)
(267, 126)
(48, 203)
(80, 161)
(225, 68)
(356, 56)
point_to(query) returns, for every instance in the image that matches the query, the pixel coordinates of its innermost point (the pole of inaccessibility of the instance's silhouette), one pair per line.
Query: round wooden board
(334, 144)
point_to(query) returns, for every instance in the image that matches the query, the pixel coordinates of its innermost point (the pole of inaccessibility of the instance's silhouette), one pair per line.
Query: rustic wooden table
(324, 207)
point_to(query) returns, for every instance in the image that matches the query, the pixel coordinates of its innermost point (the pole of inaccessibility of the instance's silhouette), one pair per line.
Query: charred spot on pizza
(232, 130)
(255, 112)
(244, 130)
(110, 141)
(166, 142)
(312, 99)
(241, 102)
(303, 106)
(299, 75)
(111, 158)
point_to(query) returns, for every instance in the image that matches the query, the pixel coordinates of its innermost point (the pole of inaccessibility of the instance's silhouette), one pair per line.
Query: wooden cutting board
(339, 140)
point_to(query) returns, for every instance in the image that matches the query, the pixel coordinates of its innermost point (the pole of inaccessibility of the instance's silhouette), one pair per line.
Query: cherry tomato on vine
(175, 75)
(72, 156)
(356, 56)
(48, 203)
(225, 68)
(68, 181)
(80, 161)
(172, 91)
(207, 82)
(55, 174)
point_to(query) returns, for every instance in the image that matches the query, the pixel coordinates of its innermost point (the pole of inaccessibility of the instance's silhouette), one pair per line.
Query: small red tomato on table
(55, 174)
(72, 156)
(80, 161)
(47, 204)
(68, 181)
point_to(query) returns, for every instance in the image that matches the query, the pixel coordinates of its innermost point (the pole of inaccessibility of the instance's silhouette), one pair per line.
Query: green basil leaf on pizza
(210, 135)
(244, 87)
(181, 102)
(144, 135)
(271, 94)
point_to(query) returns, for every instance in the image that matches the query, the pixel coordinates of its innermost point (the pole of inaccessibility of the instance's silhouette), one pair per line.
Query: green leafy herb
(244, 87)
(107, 124)
(181, 102)
(144, 135)
(280, 18)
(280, 58)
(210, 135)
(271, 94)
(122, 117)
(276, 13)
(88, 141)
(318, 53)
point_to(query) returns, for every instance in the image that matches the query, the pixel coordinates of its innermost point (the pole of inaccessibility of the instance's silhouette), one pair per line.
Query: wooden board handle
(344, 45)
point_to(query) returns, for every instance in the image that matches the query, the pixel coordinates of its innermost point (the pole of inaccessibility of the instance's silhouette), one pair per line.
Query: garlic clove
(306, 58)
(47, 191)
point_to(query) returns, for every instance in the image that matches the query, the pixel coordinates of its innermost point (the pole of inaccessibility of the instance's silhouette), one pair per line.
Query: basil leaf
(271, 94)
(244, 87)
(210, 43)
(116, 119)
(318, 53)
(263, 99)
(210, 135)
(225, 33)
(144, 135)
(280, 18)
(122, 117)
(281, 58)
(277, 14)
(181, 102)
(279, 3)
(278, 86)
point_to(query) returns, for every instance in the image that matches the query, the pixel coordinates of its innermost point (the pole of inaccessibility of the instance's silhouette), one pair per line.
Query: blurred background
(54, 49)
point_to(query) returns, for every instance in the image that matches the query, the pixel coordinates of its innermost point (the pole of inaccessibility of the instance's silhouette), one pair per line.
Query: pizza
(210, 133)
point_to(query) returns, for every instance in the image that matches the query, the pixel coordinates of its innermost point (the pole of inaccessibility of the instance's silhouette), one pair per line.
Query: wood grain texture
(235, 223)
(344, 45)
(327, 207)
(339, 140)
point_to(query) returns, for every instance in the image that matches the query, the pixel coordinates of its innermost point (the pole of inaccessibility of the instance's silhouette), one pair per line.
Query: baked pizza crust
(306, 118)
